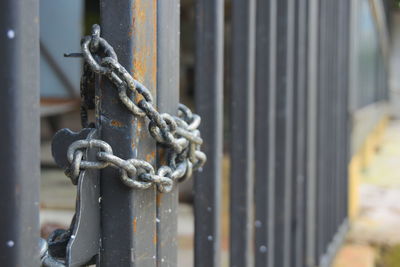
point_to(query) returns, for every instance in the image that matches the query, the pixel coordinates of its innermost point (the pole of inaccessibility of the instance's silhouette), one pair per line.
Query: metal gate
(286, 94)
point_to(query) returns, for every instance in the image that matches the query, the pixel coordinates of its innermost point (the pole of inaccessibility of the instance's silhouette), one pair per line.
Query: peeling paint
(159, 198)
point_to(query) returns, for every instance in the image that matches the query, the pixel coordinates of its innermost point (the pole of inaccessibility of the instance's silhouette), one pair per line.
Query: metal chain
(179, 134)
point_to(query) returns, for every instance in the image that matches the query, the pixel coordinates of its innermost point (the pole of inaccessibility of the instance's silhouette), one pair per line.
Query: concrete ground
(376, 229)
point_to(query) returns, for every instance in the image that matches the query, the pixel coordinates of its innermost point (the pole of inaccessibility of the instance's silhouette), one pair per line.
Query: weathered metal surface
(168, 24)
(242, 134)
(128, 217)
(19, 135)
(209, 104)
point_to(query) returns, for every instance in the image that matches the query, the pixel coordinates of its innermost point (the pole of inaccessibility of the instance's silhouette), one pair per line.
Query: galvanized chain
(179, 134)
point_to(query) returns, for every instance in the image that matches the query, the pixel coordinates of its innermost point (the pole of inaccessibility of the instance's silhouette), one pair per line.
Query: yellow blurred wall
(360, 160)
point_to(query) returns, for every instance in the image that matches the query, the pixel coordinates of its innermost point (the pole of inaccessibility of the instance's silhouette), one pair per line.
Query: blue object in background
(61, 24)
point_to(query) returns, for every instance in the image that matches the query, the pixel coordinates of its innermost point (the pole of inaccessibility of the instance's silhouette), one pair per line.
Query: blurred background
(374, 170)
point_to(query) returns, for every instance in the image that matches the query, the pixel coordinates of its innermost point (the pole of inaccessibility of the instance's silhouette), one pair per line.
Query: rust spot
(155, 239)
(139, 66)
(144, 29)
(150, 157)
(139, 128)
(158, 199)
(132, 28)
(134, 224)
(162, 157)
(154, 48)
(116, 123)
(138, 97)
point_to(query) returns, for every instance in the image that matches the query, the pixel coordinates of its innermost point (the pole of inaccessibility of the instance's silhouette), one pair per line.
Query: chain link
(179, 134)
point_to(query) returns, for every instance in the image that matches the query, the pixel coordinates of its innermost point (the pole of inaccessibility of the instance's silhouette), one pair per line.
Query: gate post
(128, 216)
(19, 134)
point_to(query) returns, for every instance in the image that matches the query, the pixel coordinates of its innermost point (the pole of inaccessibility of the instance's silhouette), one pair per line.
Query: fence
(289, 131)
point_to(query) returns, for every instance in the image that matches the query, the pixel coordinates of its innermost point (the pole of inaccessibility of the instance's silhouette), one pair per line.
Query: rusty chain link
(179, 134)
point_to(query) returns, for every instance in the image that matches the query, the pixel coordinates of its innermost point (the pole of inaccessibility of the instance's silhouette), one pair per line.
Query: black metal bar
(336, 125)
(312, 125)
(272, 132)
(346, 10)
(300, 142)
(19, 135)
(209, 105)
(328, 138)
(128, 217)
(342, 107)
(284, 131)
(264, 134)
(322, 132)
(338, 107)
(343, 68)
(242, 131)
(168, 23)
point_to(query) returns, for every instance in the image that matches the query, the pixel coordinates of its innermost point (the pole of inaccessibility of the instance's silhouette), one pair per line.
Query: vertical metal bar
(312, 124)
(168, 27)
(299, 146)
(271, 137)
(335, 125)
(209, 104)
(322, 132)
(264, 132)
(328, 138)
(19, 136)
(336, 117)
(242, 123)
(128, 217)
(348, 11)
(283, 131)
(342, 108)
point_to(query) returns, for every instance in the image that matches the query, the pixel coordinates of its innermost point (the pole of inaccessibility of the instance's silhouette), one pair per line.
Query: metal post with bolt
(19, 135)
